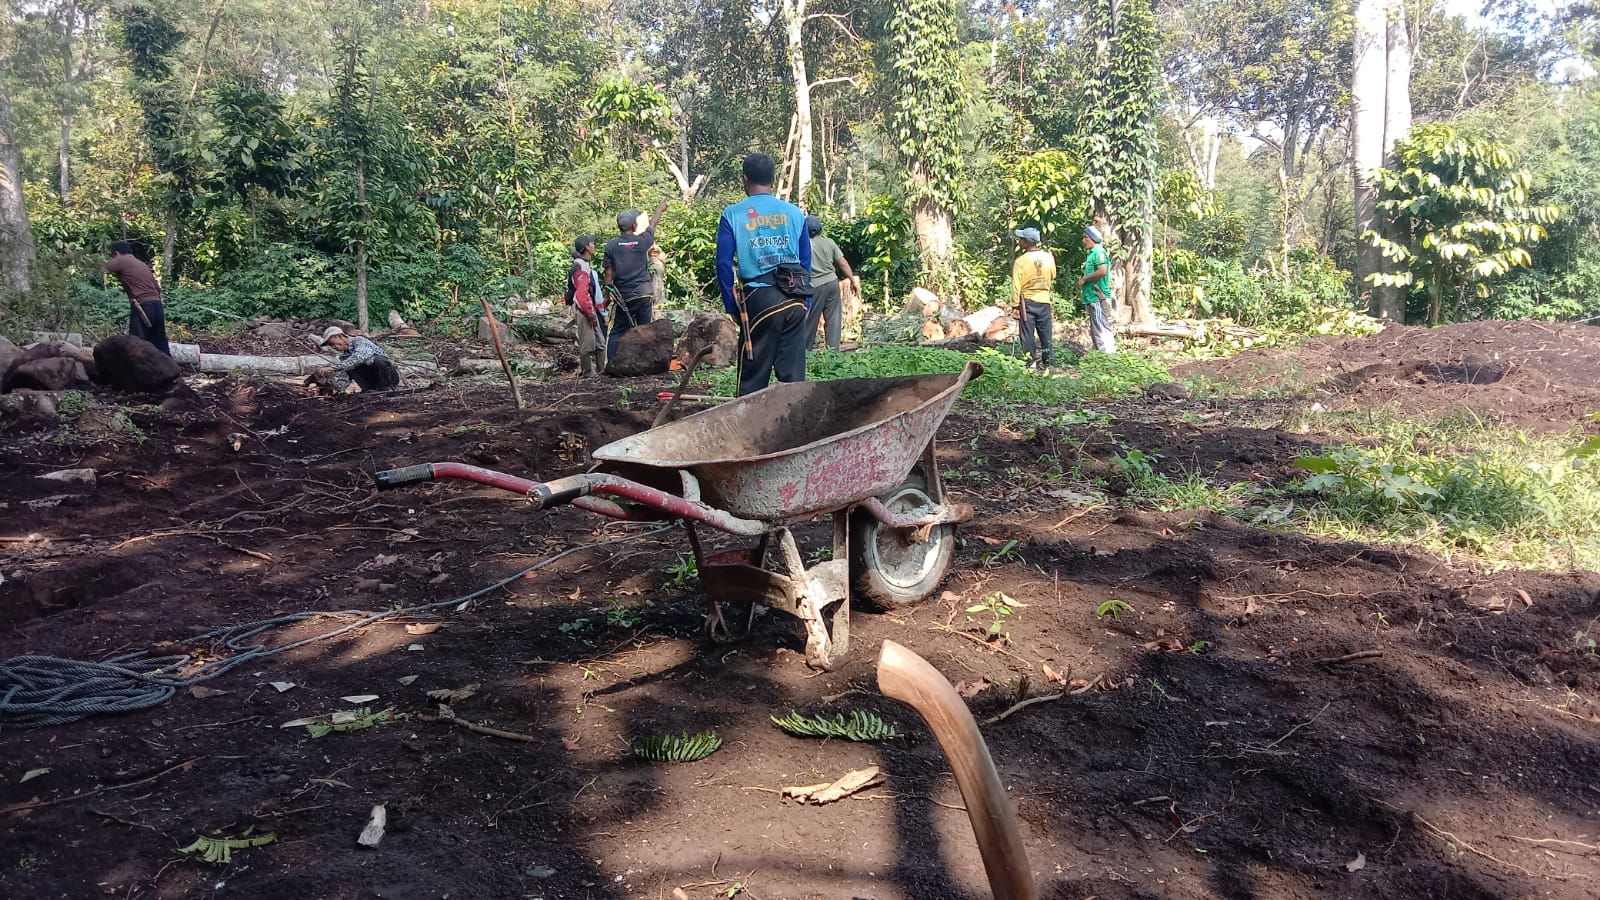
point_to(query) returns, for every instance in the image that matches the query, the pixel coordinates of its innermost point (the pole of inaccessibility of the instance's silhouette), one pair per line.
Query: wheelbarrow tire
(888, 573)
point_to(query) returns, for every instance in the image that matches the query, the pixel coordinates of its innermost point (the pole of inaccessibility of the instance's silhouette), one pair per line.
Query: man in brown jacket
(146, 314)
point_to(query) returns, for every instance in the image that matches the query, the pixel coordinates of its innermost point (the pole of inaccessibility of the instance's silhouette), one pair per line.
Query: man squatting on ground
(147, 316)
(588, 309)
(1031, 276)
(1096, 287)
(763, 241)
(627, 269)
(830, 276)
(361, 361)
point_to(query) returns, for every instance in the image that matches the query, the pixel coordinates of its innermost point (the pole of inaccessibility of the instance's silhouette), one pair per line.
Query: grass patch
(1508, 497)
(1006, 378)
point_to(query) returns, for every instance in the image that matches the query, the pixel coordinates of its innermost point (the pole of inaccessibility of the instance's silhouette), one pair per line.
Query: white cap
(328, 333)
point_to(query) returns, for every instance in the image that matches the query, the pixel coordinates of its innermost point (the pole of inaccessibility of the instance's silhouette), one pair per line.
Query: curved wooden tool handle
(907, 677)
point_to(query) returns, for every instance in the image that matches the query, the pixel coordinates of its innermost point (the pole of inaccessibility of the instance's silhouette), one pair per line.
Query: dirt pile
(1534, 375)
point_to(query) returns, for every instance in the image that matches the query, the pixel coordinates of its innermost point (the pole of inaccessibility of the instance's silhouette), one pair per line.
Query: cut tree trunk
(16, 237)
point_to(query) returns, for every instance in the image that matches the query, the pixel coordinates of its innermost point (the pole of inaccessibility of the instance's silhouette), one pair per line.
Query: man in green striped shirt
(1096, 287)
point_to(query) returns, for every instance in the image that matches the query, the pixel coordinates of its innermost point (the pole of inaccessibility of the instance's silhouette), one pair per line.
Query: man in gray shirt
(827, 266)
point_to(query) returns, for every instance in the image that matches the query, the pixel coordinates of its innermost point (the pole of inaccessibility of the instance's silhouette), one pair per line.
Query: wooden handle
(908, 678)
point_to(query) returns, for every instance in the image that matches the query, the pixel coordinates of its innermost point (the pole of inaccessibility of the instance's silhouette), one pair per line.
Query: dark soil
(1227, 746)
(1533, 375)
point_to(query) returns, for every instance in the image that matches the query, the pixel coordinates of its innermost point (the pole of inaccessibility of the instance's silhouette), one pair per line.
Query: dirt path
(1269, 712)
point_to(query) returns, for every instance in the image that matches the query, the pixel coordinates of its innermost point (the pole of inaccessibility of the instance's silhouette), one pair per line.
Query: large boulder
(127, 363)
(56, 373)
(644, 350)
(8, 353)
(717, 332)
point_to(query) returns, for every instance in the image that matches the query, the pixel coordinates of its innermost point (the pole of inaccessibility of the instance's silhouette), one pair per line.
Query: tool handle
(910, 679)
(393, 478)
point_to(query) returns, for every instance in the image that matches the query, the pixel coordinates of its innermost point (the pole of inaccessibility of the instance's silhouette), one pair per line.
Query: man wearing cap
(1031, 277)
(763, 242)
(146, 314)
(361, 361)
(1096, 287)
(588, 312)
(828, 267)
(627, 271)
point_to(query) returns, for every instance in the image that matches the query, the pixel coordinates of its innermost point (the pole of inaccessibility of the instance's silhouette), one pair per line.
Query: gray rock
(717, 332)
(508, 338)
(1166, 390)
(51, 374)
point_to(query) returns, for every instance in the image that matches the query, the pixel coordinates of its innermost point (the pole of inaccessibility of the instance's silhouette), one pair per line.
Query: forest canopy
(275, 157)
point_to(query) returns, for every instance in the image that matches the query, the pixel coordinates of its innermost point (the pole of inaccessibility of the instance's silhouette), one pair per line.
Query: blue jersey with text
(755, 236)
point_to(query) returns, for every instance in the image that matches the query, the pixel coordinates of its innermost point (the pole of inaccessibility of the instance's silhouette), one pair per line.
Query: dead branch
(1443, 835)
(1020, 705)
(481, 729)
(1349, 657)
(19, 807)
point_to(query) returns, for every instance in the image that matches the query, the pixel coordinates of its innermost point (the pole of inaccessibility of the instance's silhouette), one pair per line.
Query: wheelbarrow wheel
(887, 569)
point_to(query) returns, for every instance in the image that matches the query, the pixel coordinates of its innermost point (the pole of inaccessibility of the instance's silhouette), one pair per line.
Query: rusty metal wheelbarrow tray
(792, 452)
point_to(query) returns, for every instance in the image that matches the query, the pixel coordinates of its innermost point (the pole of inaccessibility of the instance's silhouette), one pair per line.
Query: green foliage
(858, 725)
(363, 718)
(1114, 608)
(219, 850)
(688, 240)
(1121, 92)
(682, 571)
(1046, 189)
(1462, 214)
(997, 606)
(634, 116)
(1512, 497)
(927, 100)
(676, 747)
(1005, 379)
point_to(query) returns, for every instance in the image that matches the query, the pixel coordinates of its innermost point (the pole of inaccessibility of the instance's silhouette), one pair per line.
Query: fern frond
(857, 726)
(219, 850)
(676, 747)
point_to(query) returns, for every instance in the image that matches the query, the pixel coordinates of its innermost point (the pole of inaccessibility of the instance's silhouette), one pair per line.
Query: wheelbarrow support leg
(812, 598)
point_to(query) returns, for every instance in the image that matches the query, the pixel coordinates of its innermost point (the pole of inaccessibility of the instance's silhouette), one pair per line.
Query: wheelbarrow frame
(819, 594)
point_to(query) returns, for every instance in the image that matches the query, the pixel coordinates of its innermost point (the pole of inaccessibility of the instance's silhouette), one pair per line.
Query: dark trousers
(1038, 332)
(825, 308)
(638, 311)
(376, 376)
(777, 339)
(156, 331)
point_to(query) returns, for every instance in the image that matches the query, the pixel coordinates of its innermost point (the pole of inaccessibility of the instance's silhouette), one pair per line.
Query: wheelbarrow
(860, 450)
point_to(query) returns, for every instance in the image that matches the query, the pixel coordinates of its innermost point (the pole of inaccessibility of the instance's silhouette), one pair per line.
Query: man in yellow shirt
(1031, 277)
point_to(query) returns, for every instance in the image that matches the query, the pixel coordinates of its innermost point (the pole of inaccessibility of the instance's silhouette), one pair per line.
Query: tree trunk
(935, 230)
(169, 243)
(794, 17)
(16, 237)
(63, 159)
(362, 316)
(1380, 115)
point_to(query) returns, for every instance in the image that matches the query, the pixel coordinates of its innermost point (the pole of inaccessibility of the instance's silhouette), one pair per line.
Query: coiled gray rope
(38, 691)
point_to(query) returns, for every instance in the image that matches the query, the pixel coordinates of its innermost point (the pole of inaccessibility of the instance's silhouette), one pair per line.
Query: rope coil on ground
(38, 691)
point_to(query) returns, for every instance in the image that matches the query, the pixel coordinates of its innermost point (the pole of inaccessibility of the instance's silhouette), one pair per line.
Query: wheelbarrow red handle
(393, 478)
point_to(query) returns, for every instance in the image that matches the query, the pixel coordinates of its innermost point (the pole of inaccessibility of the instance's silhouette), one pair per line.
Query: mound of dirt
(1535, 375)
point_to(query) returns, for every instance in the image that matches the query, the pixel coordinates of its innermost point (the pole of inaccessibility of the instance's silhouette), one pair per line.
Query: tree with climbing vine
(1117, 132)
(928, 103)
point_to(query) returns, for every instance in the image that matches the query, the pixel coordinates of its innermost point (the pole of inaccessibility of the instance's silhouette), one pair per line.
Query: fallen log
(1183, 332)
(190, 355)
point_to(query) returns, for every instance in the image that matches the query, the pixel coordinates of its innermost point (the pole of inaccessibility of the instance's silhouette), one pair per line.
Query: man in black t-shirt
(627, 268)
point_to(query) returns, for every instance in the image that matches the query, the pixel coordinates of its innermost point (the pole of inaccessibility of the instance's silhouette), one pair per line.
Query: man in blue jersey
(763, 241)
